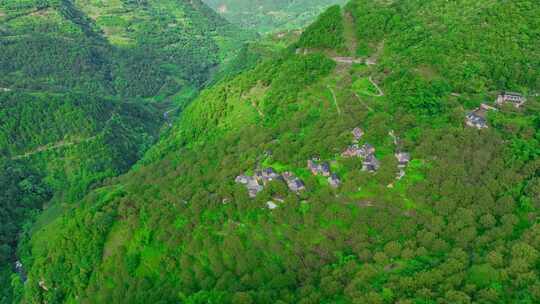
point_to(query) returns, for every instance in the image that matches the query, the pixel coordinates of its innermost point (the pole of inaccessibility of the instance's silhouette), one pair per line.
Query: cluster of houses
(256, 183)
(366, 152)
(323, 169)
(477, 117)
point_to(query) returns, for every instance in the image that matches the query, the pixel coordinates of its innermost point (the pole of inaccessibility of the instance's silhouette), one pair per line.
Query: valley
(82, 87)
(271, 16)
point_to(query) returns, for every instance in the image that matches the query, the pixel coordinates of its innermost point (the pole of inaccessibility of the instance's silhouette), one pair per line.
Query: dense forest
(126, 48)
(77, 76)
(271, 15)
(23, 194)
(86, 87)
(412, 205)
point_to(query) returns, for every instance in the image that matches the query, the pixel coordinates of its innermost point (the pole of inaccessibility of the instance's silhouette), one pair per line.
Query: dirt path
(261, 114)
(256, 93)
(335, 99)
(35, 12)
(381, 93)
(349, 60)
(58, 145)
(394, 137)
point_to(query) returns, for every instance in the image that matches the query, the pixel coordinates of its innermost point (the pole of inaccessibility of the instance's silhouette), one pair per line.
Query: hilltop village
(477, 118)
(256, 182)
(365, 151)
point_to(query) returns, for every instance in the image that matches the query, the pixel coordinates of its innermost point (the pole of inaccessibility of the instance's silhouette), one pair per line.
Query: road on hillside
(58, 145)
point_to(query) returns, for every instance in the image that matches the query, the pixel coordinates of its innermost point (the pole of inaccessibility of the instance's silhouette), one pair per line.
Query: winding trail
(395, 139)
(261, 114)
(58, 145)
(349, 60)
(24, 14)
(335, 99)
(381, 93)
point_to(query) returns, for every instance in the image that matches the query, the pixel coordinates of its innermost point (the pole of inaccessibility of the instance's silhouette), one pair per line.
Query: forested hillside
(271, 15)
(23, 194)
(345, 170)
(145, 48)
(86, 87)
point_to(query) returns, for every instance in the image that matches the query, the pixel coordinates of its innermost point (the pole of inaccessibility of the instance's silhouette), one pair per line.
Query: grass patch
(364, 86)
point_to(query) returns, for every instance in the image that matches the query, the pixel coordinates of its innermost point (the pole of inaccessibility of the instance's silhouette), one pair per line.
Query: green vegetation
(271, 15)
(365, 87)
(84, 89)
(326, 32)
(23, 193)
(460, 227)
(119, 47)
(168, 52)
(484, 33)
(75, 140)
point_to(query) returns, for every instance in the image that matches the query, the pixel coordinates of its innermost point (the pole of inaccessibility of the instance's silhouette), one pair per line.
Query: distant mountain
(70, 70)
(127, 48)
(349, 168)
(271, 15)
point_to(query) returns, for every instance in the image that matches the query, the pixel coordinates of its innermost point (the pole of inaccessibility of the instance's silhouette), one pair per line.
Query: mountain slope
(43, 45)
(74, 139)
(23, 193)
(85, 88)
(497, 41)
(460, 226)
(269, 16)
(121, 52)
(127, 53)
(131, 49)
